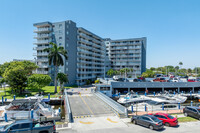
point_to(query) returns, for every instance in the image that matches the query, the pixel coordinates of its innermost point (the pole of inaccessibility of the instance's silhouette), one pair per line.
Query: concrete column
(128, 89)
(178, 89)
(192, 89)
(163, 90)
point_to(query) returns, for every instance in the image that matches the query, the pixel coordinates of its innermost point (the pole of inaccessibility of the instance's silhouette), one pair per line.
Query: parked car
(160, 80)
(193, 80)
(167, 119)
(28, 126)
(137, 80)
(123, 80)
(175, 79)
(115, 78)
(192, 111)
(148, 121)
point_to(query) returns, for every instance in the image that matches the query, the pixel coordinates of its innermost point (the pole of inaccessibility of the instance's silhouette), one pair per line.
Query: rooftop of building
(47, 23)
(129, 39)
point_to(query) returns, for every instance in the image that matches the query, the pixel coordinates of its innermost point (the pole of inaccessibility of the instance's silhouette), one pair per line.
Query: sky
(172, 27)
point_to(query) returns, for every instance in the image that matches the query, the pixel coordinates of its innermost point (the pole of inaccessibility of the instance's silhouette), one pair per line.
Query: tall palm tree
(62, 78)
(55, 57)
(180, 63)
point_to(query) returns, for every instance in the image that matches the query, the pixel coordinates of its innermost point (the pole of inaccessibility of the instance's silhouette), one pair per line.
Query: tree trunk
(55, 81)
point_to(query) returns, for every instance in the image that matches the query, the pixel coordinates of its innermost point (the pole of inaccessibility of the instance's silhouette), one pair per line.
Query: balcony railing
(42, 54)
(42, 60)
(40, 48)
(43, 30)
(43, 66)
(43, 42)
(42, 72)
(43, 36)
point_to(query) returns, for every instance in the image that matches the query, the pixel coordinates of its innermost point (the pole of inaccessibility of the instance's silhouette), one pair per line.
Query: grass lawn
(31, 92)
(186, 119)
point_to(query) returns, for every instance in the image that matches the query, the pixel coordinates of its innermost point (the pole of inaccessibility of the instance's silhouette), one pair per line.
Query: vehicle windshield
(162, 78)
(155, 119)
(171, 117)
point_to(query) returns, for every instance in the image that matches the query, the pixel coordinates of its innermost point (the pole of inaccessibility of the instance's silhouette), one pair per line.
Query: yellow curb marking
(111, 120)
(86, 122)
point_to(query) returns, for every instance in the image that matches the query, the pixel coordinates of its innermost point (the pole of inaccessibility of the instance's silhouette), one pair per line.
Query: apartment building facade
(89, 56)
(127, 53)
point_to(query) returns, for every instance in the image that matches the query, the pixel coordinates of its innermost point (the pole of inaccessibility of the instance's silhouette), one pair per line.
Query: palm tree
(110, 72)
(180, 63)
(55, 57)
(62, 78)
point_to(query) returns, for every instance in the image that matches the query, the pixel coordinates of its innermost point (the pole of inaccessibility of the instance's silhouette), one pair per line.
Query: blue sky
(172, 27)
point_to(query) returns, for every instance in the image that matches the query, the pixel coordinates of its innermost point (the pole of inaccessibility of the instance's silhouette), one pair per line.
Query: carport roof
(155, 84)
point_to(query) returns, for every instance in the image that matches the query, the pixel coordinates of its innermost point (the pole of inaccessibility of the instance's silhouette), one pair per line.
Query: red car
(193, 80)
(167, 119)
(160, 80)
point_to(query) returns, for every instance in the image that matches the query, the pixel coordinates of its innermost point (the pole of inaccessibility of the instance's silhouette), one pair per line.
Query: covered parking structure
(155, 86)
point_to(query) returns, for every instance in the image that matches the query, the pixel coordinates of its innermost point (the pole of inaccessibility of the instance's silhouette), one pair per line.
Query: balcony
(42, 42)
(43, 30)
(43, 36)
(85, 77)
(42, 54)
(42, 72)
(40, 48)
(42, 60)
(43, 66)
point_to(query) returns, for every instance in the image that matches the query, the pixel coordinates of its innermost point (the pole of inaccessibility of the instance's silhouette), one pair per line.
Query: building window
(60, 25)
(67, 33)
(60, 44)
(66, 44)
(60, 38)
(60, 31)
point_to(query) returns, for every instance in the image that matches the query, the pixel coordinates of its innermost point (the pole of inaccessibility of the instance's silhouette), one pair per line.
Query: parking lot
(187, 127)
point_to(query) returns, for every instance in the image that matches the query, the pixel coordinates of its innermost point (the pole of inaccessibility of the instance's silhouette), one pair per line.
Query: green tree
(3, 68)
(38, 81)
(16, 78)
(110, 72)
(62, 78)
(55, 58)
(152, 68)
(189, 70)
(148, 74)
(16, 74)
(88, 82)
(180, 64)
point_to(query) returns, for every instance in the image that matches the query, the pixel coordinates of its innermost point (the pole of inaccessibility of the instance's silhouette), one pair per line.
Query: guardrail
(139, 109)
(118, 108)
(68, 112)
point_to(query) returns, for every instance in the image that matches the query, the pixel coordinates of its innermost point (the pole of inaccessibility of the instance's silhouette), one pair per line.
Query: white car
(175, 80)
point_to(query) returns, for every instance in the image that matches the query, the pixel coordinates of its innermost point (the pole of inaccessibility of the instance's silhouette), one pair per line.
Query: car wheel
(151, 127)
(134, 122)
(167, 124)
(186, 114)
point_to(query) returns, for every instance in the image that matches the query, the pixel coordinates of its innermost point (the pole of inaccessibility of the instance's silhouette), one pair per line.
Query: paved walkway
(94, 123)
(165, 111)
(186, 127)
